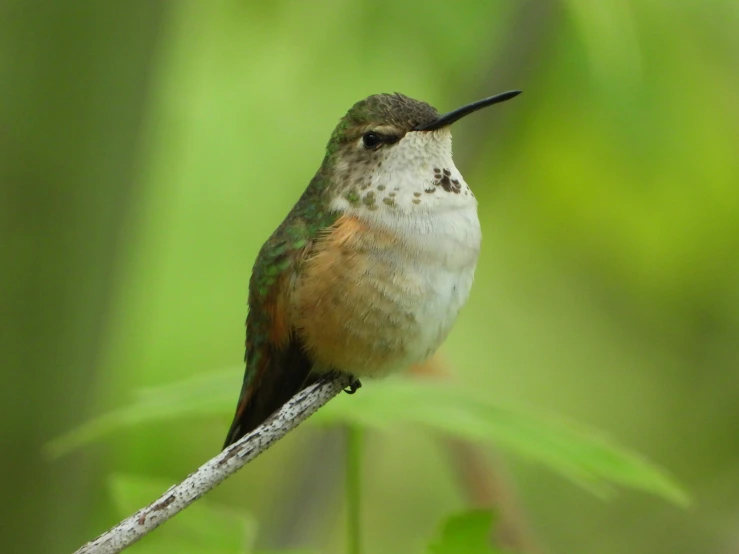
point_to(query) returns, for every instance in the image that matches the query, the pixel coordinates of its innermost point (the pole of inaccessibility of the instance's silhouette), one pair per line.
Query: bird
(369, 270)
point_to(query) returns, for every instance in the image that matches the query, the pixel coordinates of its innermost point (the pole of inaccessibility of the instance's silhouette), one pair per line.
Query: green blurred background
(147, 149)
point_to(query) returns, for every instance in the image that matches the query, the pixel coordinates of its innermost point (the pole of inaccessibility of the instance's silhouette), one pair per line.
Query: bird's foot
(354, 386)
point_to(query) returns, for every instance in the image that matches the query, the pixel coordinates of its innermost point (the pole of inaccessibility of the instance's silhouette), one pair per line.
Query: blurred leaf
(584, 455)
(201, 527)
(467, 533)
(285, 552)
(202, 396)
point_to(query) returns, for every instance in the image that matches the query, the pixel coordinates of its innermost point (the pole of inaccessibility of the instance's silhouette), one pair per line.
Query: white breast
(447, 271)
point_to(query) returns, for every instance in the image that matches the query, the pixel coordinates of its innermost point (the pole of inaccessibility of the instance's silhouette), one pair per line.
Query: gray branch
(206, 477)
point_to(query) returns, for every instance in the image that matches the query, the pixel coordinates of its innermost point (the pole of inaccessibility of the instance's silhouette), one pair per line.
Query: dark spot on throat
(449, 185)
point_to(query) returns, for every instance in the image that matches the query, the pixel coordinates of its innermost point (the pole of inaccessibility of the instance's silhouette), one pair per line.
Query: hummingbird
(367, 273)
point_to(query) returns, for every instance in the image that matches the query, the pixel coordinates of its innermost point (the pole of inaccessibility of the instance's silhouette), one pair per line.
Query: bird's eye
(371, 140)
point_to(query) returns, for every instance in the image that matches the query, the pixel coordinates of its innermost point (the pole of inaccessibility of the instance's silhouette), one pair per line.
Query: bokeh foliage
(149, 148)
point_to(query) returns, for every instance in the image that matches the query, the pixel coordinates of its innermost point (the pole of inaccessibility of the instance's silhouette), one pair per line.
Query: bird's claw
(354, 386)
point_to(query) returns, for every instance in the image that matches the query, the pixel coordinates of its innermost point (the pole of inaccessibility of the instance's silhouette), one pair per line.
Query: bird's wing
(277, 366)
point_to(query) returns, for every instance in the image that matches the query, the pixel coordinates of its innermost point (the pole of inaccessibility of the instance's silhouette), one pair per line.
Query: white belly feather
(444, 267)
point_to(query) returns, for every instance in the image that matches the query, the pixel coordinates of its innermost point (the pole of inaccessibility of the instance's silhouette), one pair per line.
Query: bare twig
(216, 470)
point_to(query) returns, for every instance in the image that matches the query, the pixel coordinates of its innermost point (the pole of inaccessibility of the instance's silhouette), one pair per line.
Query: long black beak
(449, 118)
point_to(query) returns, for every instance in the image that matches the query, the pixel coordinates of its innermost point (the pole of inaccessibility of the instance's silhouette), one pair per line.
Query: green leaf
(208, 395)
(285, 552)
(202, 527)
(467, 533)
(583, 455)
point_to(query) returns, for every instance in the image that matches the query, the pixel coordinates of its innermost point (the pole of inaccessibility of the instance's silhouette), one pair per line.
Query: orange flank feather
(344, 303)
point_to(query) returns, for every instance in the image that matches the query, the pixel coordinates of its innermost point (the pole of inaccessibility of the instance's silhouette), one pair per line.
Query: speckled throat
(413, 188)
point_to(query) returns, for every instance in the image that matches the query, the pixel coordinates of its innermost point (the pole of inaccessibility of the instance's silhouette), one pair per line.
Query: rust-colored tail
(264, 392)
